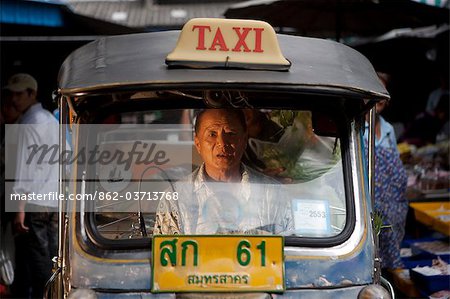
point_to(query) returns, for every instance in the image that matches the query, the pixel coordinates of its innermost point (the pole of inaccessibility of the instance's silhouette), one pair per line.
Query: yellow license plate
(217, 263)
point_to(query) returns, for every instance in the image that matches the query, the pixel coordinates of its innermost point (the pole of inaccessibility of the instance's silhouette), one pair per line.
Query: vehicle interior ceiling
(218, 98)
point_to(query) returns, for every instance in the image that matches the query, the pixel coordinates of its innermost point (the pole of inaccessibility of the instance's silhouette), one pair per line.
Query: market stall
(426, 250)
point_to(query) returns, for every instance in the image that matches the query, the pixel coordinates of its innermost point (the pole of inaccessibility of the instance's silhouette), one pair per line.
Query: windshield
(214, 171)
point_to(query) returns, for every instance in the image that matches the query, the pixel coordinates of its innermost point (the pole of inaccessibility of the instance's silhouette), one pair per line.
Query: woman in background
(390, 188)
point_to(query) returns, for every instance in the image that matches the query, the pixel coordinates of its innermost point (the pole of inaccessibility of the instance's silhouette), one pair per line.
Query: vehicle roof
(138, 61)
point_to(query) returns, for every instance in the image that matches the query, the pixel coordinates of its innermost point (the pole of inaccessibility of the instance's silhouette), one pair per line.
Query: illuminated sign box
(224, 43)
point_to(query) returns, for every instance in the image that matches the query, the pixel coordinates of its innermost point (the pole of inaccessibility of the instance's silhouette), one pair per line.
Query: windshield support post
(371, 164)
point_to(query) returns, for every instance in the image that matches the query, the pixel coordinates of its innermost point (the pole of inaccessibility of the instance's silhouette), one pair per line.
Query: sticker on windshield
(311, 217)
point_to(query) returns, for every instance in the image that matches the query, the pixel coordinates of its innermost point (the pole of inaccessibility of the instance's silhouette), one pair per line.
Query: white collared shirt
(254, 205)
(38, 128)
(387, 136)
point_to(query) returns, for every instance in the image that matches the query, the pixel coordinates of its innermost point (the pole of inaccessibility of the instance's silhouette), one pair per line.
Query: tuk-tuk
(128, 111)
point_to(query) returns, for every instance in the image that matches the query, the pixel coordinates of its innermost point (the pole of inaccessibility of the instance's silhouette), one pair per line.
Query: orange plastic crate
(433, 214)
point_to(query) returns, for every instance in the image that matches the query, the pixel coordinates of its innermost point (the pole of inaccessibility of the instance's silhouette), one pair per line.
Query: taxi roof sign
(227, 43)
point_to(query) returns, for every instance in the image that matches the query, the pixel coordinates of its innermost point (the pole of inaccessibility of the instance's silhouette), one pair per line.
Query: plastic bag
(302, 154)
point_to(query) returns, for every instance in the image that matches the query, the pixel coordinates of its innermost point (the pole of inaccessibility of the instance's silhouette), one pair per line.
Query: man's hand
(19, 223)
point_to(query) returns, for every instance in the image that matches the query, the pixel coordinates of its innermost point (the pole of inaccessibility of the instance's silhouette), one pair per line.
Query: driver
(223, 195)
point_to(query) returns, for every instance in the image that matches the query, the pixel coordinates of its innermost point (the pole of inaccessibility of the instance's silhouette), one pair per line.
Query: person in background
(435, 96)
(428, 125)
(384, 131)
(8, 115)
(35, 222)
(260, 126)
(390, 187)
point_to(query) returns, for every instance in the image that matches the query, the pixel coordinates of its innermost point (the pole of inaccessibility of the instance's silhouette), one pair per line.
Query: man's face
(9, 113)
(380, 106)
(22, 100)
(220, 140)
